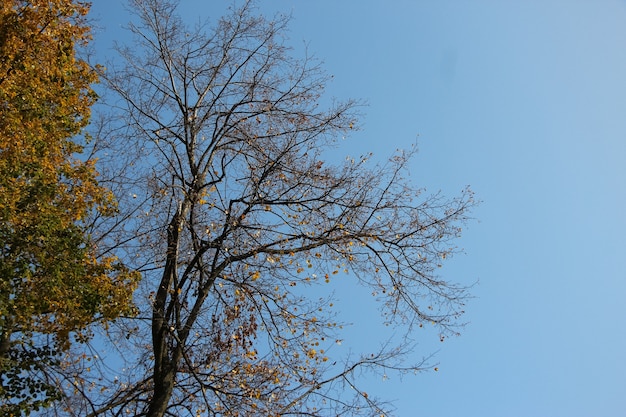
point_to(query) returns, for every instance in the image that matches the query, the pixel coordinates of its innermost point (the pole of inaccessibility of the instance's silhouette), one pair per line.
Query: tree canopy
(215, 142)
(53, 283)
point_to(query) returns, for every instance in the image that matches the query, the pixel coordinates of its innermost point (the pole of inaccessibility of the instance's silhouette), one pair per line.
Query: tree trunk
(165, 361)
(163, 387)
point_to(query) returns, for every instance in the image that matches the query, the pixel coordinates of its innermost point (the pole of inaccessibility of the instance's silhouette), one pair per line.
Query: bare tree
(235, 218)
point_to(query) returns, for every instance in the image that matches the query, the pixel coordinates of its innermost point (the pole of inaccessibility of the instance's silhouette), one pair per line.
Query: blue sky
(525, 101)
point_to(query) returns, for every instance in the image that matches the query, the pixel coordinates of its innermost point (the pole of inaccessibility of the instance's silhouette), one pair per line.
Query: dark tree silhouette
(235, 218)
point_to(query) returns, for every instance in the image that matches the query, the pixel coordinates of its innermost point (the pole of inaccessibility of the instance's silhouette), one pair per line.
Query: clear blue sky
(526, 102)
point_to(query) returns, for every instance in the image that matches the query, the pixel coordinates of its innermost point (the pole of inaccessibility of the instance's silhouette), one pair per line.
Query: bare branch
(241, 218)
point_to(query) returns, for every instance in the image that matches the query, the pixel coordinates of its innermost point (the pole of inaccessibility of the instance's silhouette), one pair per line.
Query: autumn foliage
(221, 193)
(52, 282)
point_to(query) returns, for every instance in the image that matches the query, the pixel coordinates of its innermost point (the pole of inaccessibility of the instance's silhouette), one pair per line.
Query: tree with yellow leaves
(53, 282)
